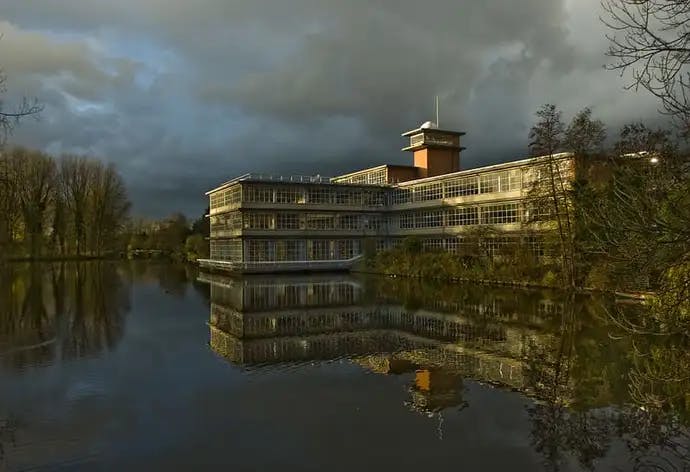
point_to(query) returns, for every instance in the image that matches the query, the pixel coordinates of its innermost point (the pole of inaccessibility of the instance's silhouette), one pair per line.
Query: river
(148, 366)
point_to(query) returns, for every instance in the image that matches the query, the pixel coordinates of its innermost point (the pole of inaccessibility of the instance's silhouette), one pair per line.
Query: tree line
(59, 207)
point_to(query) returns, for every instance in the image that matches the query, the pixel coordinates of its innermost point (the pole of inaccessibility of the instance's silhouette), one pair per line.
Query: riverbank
(521, 272)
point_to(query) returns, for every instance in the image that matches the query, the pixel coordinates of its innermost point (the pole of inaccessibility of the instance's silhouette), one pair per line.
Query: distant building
(262, 223)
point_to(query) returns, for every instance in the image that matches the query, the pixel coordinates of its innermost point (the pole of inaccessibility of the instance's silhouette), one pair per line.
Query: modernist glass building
(262, 223)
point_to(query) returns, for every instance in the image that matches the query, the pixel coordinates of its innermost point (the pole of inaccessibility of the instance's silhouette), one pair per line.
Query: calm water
(151, 366)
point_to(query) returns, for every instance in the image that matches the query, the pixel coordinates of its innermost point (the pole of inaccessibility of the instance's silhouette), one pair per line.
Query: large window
(258, 221)
(350, 222)
(429, 219)
(347, 248)
(319, 195)
(226, 249)
(229, 196)
(316, 221)
(319, 249)
(406, 220)
(289, 195)
(500, 214)
(259, 250)
(287, 221)
(463, 216)
(258, 194)
(462, 187)
(226, 222)
(432, 191)
(401, 196)
(489, 183)
(289, 250)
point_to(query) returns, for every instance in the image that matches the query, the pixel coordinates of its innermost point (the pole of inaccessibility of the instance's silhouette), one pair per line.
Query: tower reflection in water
(274, 322)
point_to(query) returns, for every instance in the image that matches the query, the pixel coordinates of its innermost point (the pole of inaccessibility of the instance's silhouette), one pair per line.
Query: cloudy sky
(182, 94)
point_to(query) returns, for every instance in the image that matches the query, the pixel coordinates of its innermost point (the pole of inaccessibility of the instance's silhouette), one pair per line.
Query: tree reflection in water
(61, 311)
(651, 420)
(593, 387)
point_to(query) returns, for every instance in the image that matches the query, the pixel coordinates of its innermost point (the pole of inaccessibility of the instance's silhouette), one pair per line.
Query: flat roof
(493, 167)
(370, 169)
(435, 130)
(319, 180)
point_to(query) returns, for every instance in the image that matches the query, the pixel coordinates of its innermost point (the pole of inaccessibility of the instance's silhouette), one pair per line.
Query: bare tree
(10, 118)
(108, 206)
(37, 174)
(550, 188)
(75, 177)
(650, 38)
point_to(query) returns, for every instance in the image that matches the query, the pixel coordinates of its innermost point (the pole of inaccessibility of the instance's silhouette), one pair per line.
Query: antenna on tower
(437, 123)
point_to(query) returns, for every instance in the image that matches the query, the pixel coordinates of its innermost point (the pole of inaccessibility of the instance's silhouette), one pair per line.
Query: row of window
(502, 213)
(494, 182)
(295, 221)
(229, 196)
(372, 177)
(314, 196)
(266, 250)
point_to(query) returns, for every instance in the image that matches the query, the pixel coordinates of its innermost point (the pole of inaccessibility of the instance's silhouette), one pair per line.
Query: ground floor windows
(226, 250)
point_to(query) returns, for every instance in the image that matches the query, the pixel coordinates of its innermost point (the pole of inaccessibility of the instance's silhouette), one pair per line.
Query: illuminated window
(433, 191)
(462, 186)
(258, 221)
(500, 214)
(401, 196)
(289, 195)
(259, 194)
(463, 216)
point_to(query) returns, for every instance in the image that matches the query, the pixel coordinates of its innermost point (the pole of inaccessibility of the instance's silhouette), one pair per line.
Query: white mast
(437, 123)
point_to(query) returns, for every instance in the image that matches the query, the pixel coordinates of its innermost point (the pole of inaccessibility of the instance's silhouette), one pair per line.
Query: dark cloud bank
(182, 95)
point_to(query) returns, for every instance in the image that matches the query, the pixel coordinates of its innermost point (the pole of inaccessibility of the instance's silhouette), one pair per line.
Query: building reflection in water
(260, 322)
(55, 312)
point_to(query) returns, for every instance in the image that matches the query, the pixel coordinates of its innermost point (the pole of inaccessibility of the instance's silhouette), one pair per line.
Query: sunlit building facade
(263, 223)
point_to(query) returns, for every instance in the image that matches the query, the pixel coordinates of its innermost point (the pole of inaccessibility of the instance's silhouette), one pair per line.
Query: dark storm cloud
(183, 95)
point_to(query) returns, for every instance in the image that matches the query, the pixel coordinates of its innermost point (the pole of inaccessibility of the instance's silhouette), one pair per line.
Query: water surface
(141, 366)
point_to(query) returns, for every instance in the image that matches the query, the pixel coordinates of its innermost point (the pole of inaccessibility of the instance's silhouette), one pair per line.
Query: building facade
(265, 223)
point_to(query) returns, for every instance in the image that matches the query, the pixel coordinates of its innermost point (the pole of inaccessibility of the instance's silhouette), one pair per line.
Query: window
(489, 183)
(226, 222)
(226, 197)
(289, 195)
(429, 219)
(259, 250)
(406, 220)
(289, 250)
(348, 197)
(350, 222)
(462, 186)
(347, 248)
(259, 194)
(463, 216)
(319, 196)
(319, 250)
(500, 214)
(317, 221)
(258, 221)
(433, 244)
(401, 196)
(287, 221)
(433, 191)
(226, 249)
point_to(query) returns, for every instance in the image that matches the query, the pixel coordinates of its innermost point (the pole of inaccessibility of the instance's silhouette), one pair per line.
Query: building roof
(435, 130)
